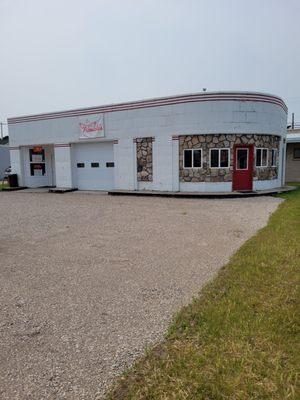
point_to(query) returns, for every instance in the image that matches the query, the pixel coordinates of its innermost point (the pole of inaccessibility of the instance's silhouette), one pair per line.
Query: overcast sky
(61, 54)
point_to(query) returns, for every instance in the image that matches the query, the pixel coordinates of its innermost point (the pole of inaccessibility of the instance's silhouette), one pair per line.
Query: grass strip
(239, 339)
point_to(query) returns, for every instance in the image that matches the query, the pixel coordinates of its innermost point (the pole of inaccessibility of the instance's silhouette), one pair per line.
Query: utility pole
(1, 127)
(293, 120)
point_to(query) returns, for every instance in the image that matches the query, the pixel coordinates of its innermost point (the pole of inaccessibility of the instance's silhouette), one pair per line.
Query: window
(219, 158)
(192, 158)
(297, 153)
(37, 154)
(110, 164)
(261, 157)
(188, 159)
(80, 165)
(241, 159)
(37, 169)
(37, 161)
(95, 165)
(197, 162)
(273, 158)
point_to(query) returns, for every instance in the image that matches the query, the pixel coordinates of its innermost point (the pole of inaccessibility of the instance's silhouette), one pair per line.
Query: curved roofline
(156, 102)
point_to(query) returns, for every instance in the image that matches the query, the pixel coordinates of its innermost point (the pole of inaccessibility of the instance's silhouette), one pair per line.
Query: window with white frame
(219, 158)
(261, 157)
(192, 158)
(273, 158)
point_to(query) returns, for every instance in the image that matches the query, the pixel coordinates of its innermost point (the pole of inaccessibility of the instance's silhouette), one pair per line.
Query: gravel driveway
(87, 281)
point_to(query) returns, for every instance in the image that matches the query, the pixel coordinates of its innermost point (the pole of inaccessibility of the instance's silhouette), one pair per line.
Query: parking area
(87, 281)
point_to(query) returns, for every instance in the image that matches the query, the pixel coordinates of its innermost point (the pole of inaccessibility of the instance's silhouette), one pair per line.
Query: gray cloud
(61, 54)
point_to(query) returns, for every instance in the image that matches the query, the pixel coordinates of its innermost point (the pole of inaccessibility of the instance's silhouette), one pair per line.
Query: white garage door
(94, 166)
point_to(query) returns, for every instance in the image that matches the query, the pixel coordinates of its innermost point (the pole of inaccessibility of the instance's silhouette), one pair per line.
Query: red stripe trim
(71, 114)
(62, 145)
(255, 97)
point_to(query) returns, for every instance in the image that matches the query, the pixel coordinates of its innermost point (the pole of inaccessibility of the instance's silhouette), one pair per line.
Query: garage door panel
(93, 166)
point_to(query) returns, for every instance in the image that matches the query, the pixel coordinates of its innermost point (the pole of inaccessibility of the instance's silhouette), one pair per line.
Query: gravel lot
(87, 281)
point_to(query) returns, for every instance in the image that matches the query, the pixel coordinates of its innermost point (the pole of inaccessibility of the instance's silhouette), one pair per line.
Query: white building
(196, 142)
(292, 173)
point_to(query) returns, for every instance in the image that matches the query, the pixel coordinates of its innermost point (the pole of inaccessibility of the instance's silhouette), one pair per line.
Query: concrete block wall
(16, 162)
(164, 122)
(63, 166)
(125, 164)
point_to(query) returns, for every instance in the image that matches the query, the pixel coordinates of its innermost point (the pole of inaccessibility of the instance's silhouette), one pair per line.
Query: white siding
(292, 164)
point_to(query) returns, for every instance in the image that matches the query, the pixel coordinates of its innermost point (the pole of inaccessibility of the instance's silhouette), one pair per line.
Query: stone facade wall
(269, 172)
(144, 159)
(207, 142)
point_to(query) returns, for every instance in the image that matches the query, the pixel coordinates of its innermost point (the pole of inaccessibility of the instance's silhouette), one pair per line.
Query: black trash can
(13, 180)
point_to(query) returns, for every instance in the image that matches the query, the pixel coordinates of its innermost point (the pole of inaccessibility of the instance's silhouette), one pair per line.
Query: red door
(242, 167)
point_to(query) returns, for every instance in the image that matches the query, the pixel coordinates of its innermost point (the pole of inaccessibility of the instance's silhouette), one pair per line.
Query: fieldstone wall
(206, 142)
(204, 174)
(144, 159)
(269, 172)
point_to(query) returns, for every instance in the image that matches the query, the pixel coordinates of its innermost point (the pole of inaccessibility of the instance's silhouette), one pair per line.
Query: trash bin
(13, 180)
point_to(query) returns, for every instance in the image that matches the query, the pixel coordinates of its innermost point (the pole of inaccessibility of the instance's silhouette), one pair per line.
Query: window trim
(192, 150)
(272, 152)
(267, 163)
(219, 163)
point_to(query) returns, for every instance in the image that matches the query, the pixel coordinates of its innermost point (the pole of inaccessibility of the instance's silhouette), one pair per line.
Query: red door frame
(243, 179)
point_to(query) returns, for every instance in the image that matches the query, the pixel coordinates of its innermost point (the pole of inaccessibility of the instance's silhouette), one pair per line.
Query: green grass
(2, 185)
(240, 339)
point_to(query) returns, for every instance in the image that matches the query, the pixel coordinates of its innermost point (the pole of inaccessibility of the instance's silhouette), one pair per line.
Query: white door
(93, 166)
(38, 166)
